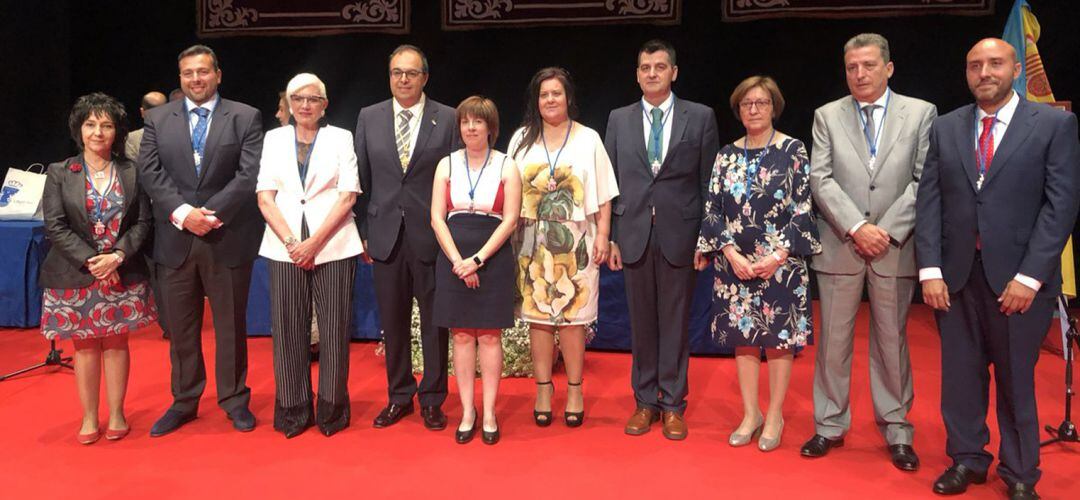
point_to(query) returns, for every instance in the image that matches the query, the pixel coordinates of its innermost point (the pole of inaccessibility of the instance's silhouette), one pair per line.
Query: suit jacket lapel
(894, 124)
(74, 191)
(126, 174)
(427, 125)
(213, 136)
(849, 121)
(1015, 135)
(637, 136)
(965, 144)
(678, 129)
(183, 130)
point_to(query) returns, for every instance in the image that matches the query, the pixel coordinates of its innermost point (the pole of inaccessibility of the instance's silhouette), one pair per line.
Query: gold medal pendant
(551, 184)
(99, 228)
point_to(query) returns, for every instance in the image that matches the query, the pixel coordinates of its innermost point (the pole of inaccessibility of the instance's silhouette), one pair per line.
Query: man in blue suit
(996, 203)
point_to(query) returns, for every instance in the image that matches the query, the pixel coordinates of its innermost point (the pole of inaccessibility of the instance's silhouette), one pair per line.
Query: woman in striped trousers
(307, 185)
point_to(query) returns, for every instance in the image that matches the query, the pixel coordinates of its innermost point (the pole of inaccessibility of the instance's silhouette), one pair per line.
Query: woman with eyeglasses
(306, 189)
(759, 229)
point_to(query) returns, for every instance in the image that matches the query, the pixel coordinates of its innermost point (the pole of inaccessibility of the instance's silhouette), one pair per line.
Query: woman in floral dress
(567, 184)
(759, 227)
(96, 289)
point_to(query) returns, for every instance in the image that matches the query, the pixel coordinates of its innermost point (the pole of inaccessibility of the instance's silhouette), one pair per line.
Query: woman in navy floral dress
(96, 290)
(759, 228)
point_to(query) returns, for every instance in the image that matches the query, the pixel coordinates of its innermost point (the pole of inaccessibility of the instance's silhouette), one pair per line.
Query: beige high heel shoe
(738, 440)
(770, 444)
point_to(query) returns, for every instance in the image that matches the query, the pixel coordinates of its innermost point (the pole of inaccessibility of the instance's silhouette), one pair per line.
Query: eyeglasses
(307, 99)
(412, 74)
(761, 104)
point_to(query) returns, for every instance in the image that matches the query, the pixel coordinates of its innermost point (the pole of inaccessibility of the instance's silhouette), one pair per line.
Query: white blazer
(331, 170)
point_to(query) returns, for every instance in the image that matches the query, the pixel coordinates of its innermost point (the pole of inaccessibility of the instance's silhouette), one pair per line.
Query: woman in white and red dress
(96, 290)
(480, 194)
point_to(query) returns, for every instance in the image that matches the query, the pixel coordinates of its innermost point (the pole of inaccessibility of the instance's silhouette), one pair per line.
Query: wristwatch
(476, 259)
(291, 240)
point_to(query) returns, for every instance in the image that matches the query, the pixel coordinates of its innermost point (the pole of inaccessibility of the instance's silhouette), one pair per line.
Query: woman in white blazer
(307, 186)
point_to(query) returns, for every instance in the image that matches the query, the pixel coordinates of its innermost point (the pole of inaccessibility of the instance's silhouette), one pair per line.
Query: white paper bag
(20, 195)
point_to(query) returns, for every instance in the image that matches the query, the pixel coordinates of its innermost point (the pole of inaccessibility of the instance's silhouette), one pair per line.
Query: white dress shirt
(331, 171)
(879, 124)
(182, 211)
(1004, 117)
(414, 122)
(646, 118)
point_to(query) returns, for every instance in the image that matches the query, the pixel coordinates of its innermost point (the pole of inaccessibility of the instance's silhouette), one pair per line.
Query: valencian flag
(1022, 32)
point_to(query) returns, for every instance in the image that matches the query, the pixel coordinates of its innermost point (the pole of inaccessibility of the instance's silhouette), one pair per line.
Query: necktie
(656, 140)
(869, 130)
(403, 137)
(198, 136)
(986, 146)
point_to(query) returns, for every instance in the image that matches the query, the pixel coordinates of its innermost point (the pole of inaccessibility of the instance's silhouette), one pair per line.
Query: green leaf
(582, 254)
(559, 239)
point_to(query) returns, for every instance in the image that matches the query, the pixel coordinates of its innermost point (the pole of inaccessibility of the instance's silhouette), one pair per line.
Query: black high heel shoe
(575, 418)
(490, 437)
(543, 418)
(463, 437)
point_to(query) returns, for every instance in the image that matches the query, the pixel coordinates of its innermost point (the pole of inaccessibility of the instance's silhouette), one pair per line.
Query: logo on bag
(8, 192)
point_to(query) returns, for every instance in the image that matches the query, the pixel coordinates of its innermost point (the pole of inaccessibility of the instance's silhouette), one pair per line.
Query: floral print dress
(101, 309)
(771, 212)
(557, 282)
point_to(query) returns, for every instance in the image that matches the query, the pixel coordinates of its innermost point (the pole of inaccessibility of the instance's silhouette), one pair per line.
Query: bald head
(151, 100)
(991, 68)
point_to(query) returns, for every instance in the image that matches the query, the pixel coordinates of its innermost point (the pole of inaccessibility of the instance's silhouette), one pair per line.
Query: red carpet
(39, 417)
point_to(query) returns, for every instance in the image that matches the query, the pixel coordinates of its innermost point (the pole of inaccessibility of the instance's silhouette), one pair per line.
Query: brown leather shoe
(641, 421)
(674, 425)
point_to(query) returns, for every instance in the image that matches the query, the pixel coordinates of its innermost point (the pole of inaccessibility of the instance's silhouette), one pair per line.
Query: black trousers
(975, 335)
(399, 279)
(292, 291)
(227, 289)
(659, 295)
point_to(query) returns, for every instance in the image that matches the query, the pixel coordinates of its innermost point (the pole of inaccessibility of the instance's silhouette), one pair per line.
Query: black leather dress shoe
(242, 420)
(490, 437)
(904, 457)
(170, 421)
(955, 480)
(1021, 491)
(434, 418)
(392, 413)
(818, 446)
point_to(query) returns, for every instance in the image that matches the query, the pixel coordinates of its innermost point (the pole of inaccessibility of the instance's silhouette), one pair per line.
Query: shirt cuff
(179, 215)
(930, 273)
(851, 232)
(1028, 281)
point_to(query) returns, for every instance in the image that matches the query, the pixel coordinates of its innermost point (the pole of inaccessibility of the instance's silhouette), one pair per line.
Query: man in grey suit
(398, 144)
(198, 161)
(662, 149)
(134, 139)
(868, 154)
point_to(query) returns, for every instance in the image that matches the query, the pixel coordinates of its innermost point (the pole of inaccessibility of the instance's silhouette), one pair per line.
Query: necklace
(551, 165)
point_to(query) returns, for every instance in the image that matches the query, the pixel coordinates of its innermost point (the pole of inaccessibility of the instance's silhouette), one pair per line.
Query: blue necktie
(198, 136)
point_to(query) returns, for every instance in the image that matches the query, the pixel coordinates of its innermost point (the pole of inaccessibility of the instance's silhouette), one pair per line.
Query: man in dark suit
(398, 143)
(996, 204)
(662, 149)
(198, 162)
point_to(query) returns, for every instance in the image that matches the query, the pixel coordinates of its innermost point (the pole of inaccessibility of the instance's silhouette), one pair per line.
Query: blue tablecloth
(612, 328)
(22, 249)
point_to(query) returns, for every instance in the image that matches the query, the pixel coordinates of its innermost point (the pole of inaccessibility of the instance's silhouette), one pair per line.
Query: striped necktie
(402, 137)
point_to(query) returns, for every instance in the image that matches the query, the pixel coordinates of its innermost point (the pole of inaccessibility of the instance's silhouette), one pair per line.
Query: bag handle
(41, 168)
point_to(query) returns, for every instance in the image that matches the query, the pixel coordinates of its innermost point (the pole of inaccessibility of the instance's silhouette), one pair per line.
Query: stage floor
(39, 417)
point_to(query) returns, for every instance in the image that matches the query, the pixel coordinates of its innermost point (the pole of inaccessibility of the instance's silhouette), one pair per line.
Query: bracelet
(290, 240)
(777, 257)
(119, 257)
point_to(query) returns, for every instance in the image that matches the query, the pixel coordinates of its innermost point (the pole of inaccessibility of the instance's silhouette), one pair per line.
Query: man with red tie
(996, 203)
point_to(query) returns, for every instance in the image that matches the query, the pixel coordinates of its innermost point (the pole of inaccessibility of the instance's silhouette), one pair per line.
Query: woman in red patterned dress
(96, 289)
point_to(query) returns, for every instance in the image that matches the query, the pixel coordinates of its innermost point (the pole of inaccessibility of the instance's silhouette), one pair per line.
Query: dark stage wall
(54, 51)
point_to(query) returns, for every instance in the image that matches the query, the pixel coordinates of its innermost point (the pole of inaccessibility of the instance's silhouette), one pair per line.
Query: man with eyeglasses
(198, 161)
(398, 143)
(662, 149)
(868, 155)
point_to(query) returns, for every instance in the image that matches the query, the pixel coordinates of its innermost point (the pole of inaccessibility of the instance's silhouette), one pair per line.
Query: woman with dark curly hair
(96, 290)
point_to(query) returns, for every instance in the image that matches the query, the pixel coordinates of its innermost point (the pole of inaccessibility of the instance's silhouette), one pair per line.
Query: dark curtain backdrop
(54, 51)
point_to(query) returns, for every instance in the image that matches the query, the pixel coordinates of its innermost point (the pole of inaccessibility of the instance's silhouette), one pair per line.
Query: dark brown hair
(102, 105)
(531, 121)
(483, 108)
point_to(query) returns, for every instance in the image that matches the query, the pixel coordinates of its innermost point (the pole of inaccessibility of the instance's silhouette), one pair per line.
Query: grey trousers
(890, 365)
